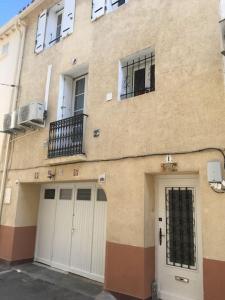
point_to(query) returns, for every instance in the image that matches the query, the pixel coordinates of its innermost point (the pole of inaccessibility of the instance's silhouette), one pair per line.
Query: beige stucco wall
(128, 192)
(186, 111)
(189, 79)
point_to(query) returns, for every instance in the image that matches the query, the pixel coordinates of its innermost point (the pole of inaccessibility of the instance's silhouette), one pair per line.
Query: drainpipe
(21, 28)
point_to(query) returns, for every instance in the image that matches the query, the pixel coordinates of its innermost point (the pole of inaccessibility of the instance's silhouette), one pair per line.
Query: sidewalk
(35, 282)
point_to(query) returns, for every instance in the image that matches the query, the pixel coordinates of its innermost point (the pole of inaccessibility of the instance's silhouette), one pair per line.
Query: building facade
(113, 184)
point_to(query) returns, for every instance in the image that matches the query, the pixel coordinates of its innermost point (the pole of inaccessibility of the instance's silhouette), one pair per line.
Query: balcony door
(72, 96)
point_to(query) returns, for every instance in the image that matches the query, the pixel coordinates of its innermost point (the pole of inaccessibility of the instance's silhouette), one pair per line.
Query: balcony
(66, 137)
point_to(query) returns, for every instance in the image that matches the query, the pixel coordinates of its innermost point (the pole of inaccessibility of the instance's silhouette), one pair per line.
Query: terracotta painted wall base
(129, 270)
(17, 243)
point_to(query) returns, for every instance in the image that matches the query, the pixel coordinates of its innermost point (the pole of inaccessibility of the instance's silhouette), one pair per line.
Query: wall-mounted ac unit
(14, 122)
(8, 123)
(222, 26)
(31, 115)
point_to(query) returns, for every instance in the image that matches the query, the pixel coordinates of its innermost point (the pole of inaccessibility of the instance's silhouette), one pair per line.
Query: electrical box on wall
(215, 172)
(109, 96)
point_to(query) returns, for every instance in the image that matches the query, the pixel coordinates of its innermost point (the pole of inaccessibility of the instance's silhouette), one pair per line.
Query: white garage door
(71, 231)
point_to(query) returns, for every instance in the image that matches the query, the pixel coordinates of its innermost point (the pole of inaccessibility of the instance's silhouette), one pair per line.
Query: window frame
(108, 8)
(147, 64)
(67, 8)
(50, 11)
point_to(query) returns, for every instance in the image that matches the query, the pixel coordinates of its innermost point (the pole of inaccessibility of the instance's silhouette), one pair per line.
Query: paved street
(35, 282)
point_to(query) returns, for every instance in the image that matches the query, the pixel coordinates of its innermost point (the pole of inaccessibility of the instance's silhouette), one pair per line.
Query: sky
(10, 8)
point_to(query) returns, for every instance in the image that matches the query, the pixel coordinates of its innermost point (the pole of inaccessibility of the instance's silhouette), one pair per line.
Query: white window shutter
(40, 37)
(60, 99)
(68, 17)
(65, 101)
(68, 97)
(98, 8)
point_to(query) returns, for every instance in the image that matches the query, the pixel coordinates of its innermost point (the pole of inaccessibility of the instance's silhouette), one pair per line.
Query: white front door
(71, 232)
(178, 239)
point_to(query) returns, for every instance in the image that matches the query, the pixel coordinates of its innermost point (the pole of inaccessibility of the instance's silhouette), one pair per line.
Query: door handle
(160, 236)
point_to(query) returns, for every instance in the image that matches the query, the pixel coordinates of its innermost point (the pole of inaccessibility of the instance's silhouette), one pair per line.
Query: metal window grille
(138, 76)
(66, 137)
(180, 228)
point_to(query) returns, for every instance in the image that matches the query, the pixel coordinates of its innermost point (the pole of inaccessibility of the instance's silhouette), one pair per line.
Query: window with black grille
(180, 228)
(49, 194)
(137, 74)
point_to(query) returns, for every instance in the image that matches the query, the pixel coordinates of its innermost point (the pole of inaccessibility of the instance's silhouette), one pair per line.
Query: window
(99, 7)
(84, 194)
(71, 97)
(137, 74)
(55, 23)
(58, 27)
(101, 196)
(65, 194)
(49, 194)
(72, 94)
(66, 135)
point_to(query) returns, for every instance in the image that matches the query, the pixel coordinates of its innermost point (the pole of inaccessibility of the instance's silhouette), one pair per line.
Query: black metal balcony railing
(66, 137)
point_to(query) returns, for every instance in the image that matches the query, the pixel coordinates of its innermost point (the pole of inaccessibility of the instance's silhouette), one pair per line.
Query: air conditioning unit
(14, 122)
(8, 123)
(222, 26)
(31, 115)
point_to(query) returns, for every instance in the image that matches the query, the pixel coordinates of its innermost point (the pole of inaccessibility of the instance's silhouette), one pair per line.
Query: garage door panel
(71, 231)
(46, 221)
(82, 231)
(99, 238)
(63, 228)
